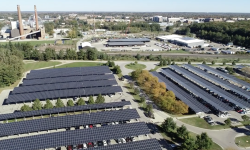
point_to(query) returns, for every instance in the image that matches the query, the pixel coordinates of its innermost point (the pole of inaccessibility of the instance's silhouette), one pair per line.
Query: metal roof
(206, 84)
(66, 93)
(130, 40)
(124, 43)
(62, 110)
(74, 137)
(149, 144)
(217, 80)
(184, 96)
(225, 76)
(46, 124)
(216, 103)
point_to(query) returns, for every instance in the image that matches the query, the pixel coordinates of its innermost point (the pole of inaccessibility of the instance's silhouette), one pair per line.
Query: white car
(87, 126)
(84, 146)
(123, 140)
(104, 143)
(132, 138)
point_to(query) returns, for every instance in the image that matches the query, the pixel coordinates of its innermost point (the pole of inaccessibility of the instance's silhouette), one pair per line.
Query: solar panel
(149, 144)
(62, 110)
(45, 124)
(68, 79)
(205, 84)
(64, 93)
(65, 72)
(224, 75)
(184, 96)
(216, 103)
(75, 137)
(218, 81)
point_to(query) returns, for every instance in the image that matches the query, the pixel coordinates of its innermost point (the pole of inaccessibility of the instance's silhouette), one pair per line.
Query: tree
(26, 108)
(37, 105)
(204, 63)
(117, 69)
(173, 63)
(138, 56)
(168, 125)
(228, 121)
(131, 84)
(72, 33)
(149, 108)
(213, 62)
(161, 63)
(224, 63)
(142, 99)
(59, 103)
(203, 141)
(80, 102)
(188, 144)
(48, 105)
(91, 53)
(189, 62)
(245, 117)
(169, 62)
(61, 54)
(136, 91)
(182, 132)
(70, 103)
(135, 74)
(100, 99)
(91, 100)
(164, 62)
(233, 63)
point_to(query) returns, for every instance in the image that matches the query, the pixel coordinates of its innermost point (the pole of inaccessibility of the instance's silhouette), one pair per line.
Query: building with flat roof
(130, 40)
(168, 37)
(189, 42)
(115, 44)
(157, 19)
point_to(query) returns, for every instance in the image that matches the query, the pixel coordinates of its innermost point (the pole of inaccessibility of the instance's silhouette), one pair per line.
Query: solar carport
(74, 137)
(188, 85)
(184, 96)
(211, 87)
(124, 44)
(42, 112)
(53, 123)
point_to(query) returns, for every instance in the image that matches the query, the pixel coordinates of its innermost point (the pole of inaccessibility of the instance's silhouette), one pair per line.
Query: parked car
(119, 141)
(91, 126)
(99, 143)
(95, 144)
(84, 146)
(104, 143)
(108, 142)
(69, 147)
(209, 119)
(80, 146)
(123, 140)
(90, 144)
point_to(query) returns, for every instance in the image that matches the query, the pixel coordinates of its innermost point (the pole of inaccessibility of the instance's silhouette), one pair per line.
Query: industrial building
(189, 42)
(168, 37)
(157, 19)
(127, 42)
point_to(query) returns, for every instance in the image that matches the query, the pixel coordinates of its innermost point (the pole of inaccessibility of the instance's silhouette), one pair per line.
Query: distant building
(230, 21)
(82, 17)
(189, 42)
(168, 37)
(157, 19)
(72, 15)
(173, 20)
(5, 31)
(213, 19)
(239, 19)
(109, 18)
(46, 17)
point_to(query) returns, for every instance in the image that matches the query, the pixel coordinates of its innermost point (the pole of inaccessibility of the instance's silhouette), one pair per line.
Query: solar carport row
(225, 76)
(195, 105)
(52, 123)
(216, 103)
(62, 86)
(74, 137)
(17, 115)
(217, 80)
(150, 144)
(66, 72)
(68, 79)
(68, 93)
(206, 84)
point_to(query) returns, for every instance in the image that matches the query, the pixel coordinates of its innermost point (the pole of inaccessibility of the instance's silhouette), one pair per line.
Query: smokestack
(20, 21)
(37, 25)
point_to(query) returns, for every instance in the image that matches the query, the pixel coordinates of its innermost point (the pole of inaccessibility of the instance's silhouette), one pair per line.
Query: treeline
(11, 66)
(37, 105)
(166, 100)
(134, 27)
(224, 32)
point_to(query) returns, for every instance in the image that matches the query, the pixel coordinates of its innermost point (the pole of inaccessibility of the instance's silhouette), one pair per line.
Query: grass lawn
(41, 64)
(243, 141)
(134, 66)
(200, 122)
(80, 64)
(246, 79)
(33, 43)
(172, 139)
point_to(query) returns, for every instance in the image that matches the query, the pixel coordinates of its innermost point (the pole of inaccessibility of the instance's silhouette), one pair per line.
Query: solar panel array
(226, 76)
(62, 86)
(205, 84)
(194, 104)
(75, 137)
(45, 124)
(62, 110)
(220, 81)
(150, 144)
(216, 103)
(28, 97)
(68, 79)
(65, 72)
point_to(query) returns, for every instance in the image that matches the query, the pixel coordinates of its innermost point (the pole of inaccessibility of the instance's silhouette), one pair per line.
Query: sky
(240, 6)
